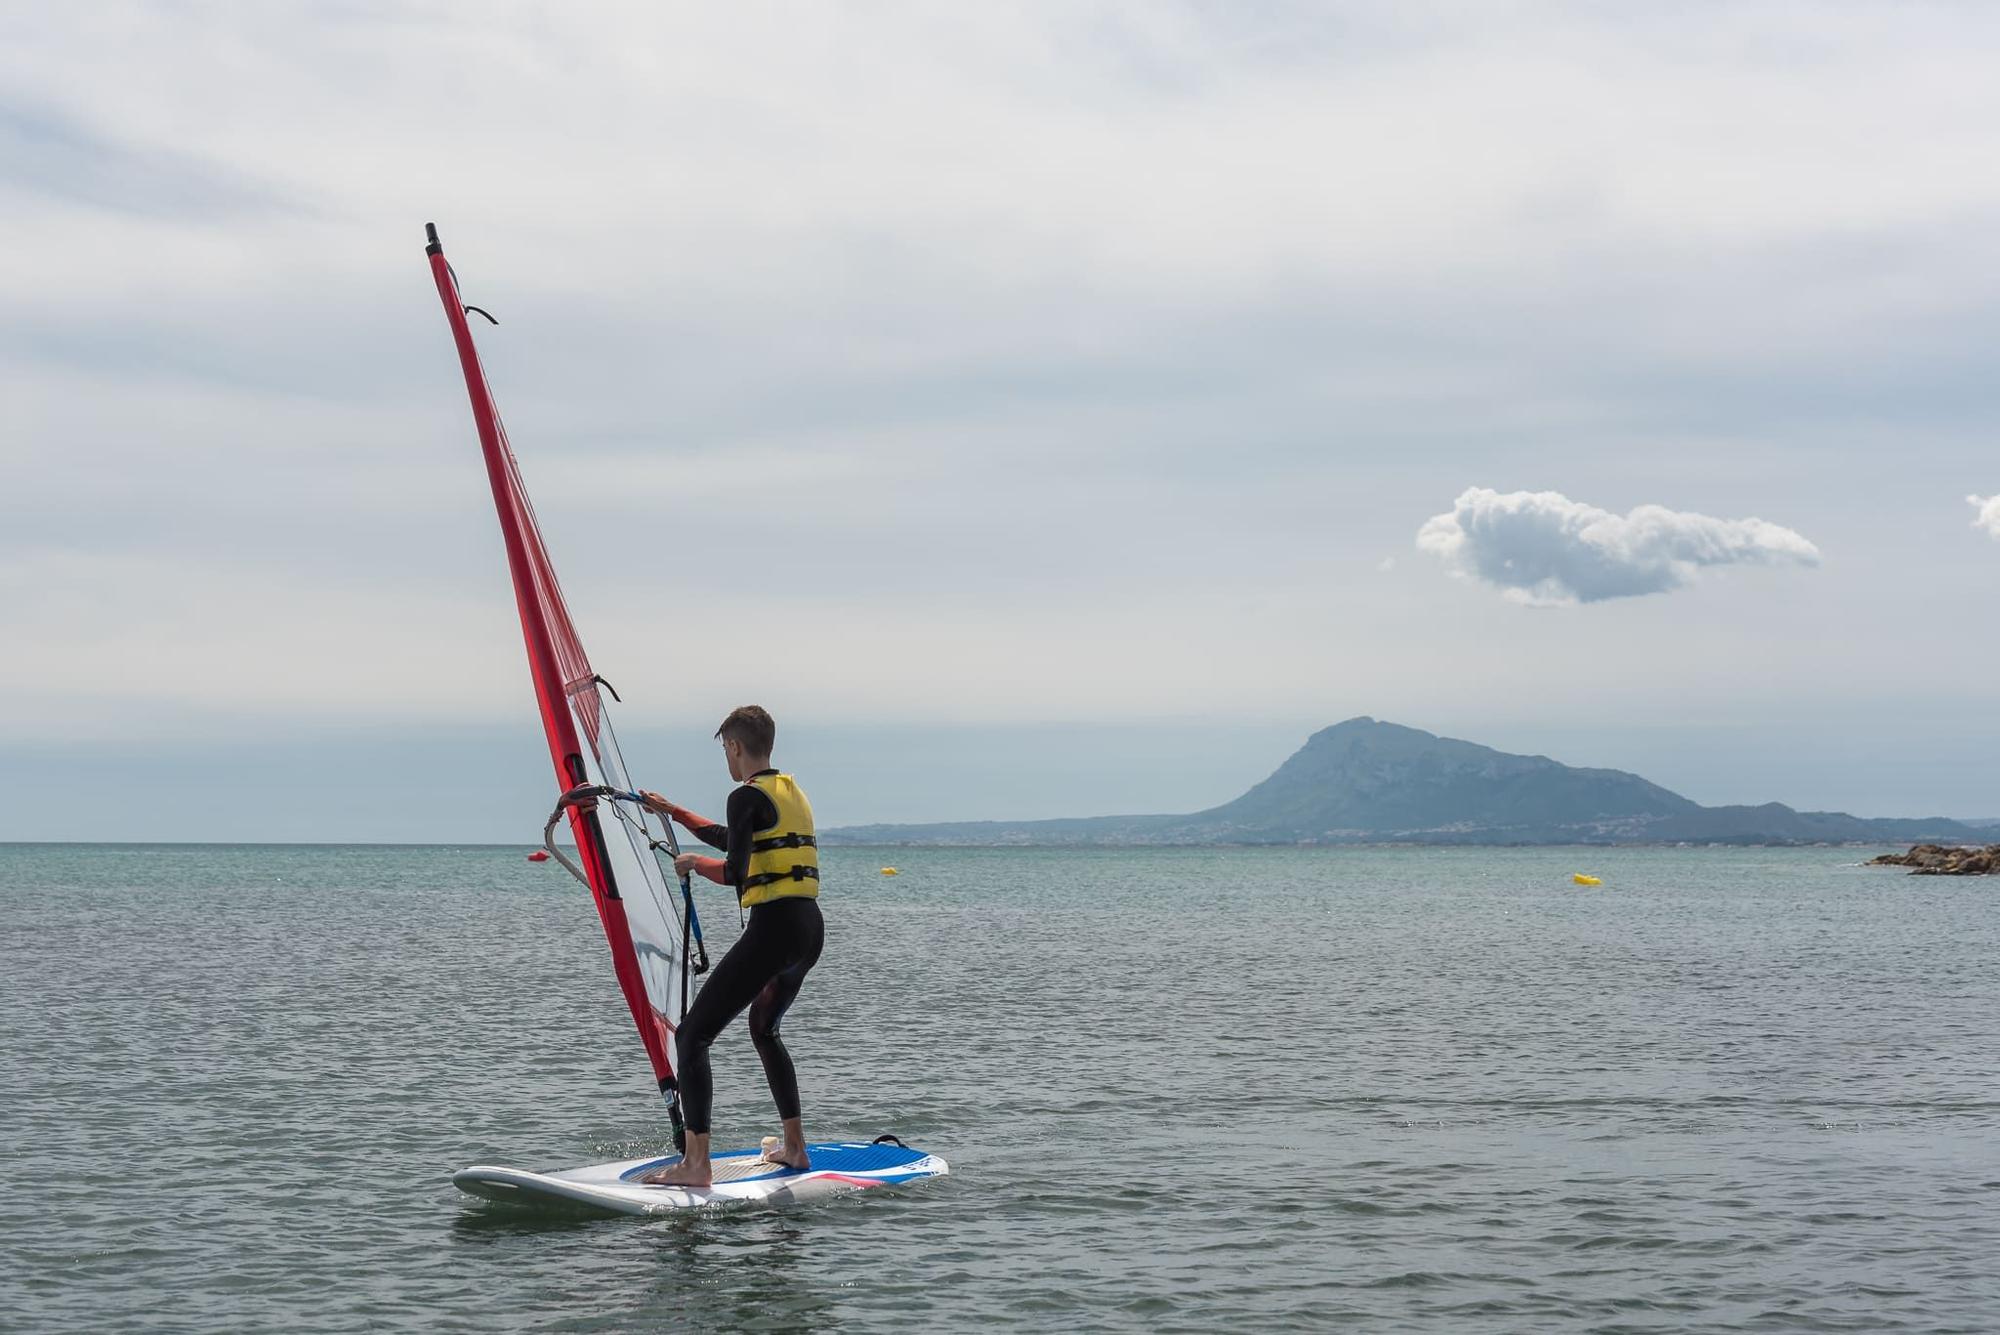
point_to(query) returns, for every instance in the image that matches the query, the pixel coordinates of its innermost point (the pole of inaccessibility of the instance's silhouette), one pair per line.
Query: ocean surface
(1421, 1090)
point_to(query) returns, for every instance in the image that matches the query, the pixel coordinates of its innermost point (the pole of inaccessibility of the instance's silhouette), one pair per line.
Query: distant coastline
(1369, 783)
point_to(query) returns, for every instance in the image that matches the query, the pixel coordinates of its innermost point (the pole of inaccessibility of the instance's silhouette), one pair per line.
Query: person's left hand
(684, 864)
(654, 802)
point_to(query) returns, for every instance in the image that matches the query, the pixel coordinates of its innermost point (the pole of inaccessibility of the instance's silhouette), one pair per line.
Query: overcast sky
(1042, 409)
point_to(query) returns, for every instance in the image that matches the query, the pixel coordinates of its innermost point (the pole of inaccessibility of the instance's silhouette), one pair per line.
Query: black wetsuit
(762, 971)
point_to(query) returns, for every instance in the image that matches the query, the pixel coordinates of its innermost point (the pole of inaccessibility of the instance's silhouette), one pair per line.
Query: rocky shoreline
(1941, 860)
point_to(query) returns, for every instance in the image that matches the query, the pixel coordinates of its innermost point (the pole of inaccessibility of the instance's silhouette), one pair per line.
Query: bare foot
(681, 1174)
(791, 1156)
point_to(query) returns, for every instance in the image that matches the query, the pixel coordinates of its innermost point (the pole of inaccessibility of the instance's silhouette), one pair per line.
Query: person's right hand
(655, 803)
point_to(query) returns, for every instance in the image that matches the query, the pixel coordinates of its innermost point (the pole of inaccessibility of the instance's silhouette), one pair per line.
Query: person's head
(747, 735)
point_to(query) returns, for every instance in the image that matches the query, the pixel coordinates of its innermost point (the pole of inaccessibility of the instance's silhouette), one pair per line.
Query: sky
(1043, 409)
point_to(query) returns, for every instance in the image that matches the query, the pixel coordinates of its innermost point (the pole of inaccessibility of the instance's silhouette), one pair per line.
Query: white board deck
(741, 1178)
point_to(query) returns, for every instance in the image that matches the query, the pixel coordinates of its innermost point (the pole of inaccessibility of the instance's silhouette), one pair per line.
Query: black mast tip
(431, 235)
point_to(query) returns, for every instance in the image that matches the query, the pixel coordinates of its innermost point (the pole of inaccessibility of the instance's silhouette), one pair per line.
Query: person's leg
(732, 985)
(803, 938)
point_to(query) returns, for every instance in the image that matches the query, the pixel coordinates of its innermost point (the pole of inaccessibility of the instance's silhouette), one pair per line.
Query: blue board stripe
(829, 1158)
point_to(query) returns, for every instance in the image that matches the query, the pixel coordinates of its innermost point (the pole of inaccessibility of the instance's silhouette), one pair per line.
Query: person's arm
(709, 868)
(701, 827)
(750, 810)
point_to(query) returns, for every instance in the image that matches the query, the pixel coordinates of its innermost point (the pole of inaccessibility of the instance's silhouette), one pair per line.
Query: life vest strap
(784, 841)
(799, 873)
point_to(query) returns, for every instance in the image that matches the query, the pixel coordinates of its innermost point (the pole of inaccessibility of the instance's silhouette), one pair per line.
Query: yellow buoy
(890, 871)
(1581, 879)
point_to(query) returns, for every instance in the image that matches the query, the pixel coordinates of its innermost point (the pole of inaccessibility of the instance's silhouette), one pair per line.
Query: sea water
(1401, 1089)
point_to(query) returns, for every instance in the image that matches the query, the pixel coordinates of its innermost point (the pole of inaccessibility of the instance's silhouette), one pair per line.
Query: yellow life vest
(784, 857)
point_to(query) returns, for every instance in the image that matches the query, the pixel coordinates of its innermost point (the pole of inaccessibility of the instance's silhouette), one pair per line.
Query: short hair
(750, 725)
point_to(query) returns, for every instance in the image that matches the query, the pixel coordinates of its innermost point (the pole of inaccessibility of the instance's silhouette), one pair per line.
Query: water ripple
(1408, 1090)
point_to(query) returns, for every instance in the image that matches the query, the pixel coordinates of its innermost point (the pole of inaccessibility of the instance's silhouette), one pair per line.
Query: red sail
(621, 871)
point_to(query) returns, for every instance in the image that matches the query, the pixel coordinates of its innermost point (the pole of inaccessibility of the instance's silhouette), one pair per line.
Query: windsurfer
(771, 859)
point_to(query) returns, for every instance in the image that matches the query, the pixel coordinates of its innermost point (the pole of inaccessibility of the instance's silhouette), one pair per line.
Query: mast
(571, 710)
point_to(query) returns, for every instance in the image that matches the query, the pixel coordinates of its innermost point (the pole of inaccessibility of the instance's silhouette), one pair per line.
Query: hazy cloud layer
(1989, 514)
(1541, 547)
(1073, 361)
(46, 152)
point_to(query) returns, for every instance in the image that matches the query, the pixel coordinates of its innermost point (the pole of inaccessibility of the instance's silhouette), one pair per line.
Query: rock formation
(1942, 860)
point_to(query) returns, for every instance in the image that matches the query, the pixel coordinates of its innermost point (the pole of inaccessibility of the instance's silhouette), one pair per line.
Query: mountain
(1367, 782)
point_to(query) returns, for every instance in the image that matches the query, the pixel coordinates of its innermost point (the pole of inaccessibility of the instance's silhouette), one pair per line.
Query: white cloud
(1989, 514)
(1543, 548)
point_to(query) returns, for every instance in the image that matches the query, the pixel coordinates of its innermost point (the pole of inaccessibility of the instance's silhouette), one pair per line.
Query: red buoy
(539, 855)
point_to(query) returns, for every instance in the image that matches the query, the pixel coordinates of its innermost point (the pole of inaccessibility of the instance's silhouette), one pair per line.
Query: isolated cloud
(1989, 514)
(1543, 548)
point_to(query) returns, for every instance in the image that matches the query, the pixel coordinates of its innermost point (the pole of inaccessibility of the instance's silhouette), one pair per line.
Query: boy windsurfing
(771, 859)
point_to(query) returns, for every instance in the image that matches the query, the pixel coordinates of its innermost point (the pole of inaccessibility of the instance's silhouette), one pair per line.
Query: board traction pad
(743, 1165)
